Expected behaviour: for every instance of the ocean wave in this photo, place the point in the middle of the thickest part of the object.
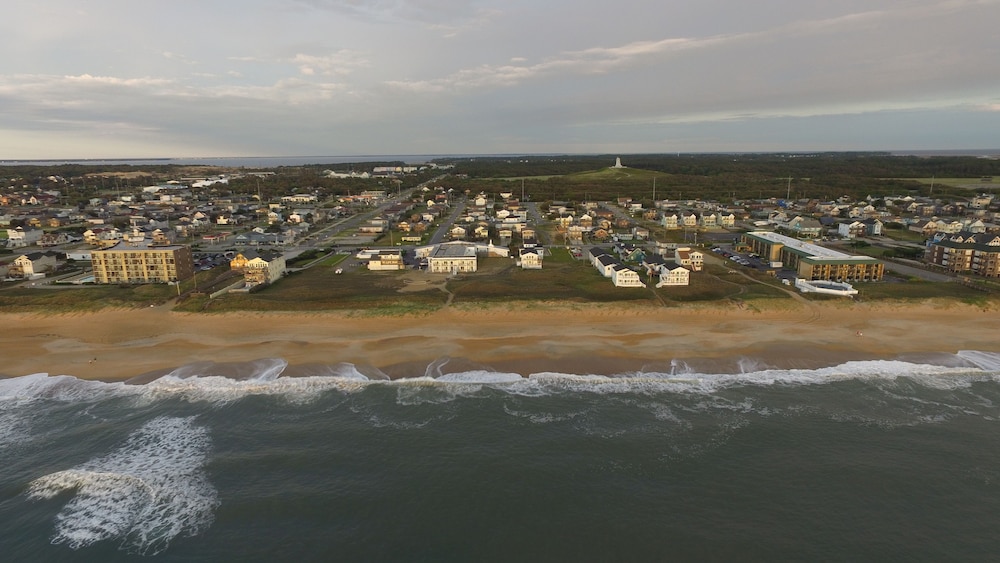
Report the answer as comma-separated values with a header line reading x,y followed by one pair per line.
x,y
217,384
144,494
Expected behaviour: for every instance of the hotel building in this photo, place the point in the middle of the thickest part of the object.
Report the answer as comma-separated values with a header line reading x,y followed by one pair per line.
x,y
142,262
813,262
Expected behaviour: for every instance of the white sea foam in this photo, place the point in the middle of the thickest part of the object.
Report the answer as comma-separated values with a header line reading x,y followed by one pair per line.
x,y
217,384
144,494
16,390
480,376
986,361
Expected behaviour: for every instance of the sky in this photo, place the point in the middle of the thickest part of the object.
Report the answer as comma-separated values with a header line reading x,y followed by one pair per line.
x,y
214,78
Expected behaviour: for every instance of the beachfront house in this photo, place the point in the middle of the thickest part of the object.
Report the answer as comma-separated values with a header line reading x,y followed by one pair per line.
x,y
623,276
31,266
265,267
530,258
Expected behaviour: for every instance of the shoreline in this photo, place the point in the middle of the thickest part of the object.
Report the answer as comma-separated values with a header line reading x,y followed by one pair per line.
x,y
118,345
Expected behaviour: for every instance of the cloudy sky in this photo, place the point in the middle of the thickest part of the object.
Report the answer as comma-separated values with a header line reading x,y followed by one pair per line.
x,y
187,78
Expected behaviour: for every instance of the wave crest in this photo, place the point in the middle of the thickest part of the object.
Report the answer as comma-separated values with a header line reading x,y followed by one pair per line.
x,y
147,492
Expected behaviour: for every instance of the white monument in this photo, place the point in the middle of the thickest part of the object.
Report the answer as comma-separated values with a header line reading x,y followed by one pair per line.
x,y
618,163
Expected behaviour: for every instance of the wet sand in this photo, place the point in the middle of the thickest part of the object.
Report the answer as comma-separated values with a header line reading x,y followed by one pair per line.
x,y
597,339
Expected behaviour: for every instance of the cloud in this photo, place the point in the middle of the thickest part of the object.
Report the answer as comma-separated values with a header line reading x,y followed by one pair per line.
x,y
340,63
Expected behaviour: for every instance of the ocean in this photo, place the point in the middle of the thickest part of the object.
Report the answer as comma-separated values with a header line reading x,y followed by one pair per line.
x,y
248,161
861,461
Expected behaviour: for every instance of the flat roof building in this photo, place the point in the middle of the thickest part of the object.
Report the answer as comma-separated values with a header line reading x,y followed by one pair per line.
x,y
451,259
811,261
142,262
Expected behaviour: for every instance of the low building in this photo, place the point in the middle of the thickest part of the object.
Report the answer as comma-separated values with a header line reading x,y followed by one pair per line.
x,y
452,259
387,260
142,262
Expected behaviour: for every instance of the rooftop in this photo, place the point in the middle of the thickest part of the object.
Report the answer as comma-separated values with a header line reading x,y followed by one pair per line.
x,y
806,249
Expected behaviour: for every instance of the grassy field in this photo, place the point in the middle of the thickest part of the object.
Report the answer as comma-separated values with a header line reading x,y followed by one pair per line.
x,y
903,235
320,288
915,290
954,182
561,279
83,299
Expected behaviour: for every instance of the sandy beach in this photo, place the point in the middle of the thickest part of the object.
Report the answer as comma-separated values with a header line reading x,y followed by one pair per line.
x,y
122,344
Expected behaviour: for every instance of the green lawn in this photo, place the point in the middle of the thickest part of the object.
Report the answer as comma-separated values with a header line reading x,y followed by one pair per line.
x,y
573,281
320,288
914,290
83,299
955,182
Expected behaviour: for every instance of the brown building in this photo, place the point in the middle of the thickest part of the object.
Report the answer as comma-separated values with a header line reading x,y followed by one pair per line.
x,y
976,253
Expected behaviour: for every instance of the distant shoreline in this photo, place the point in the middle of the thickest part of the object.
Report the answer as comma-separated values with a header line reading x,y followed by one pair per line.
x,y
278,161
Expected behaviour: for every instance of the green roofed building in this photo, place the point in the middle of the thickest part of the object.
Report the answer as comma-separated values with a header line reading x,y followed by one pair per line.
x,y
813,262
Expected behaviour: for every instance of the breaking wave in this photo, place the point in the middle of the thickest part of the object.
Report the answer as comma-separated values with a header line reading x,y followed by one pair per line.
x,y
222,384
144,494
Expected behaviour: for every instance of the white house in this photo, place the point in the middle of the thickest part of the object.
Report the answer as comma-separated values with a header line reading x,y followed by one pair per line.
x,y
530,259
673,275
21,237
622,276
693,259
30,266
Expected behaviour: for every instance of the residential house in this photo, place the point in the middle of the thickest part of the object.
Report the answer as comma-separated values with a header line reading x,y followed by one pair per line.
x,y
803,227
263,268
530,258
54,239
692,259
623,276
851,229
673,274
30,266
20,237
602,261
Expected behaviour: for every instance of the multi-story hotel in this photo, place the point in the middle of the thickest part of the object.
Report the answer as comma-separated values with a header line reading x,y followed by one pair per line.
x,y
813,262
142,262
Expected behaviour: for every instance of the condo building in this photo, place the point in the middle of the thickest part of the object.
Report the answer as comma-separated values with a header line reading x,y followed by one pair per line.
x,y
142,262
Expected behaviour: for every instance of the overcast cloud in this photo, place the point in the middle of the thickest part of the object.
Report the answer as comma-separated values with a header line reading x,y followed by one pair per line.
x,y
116,79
